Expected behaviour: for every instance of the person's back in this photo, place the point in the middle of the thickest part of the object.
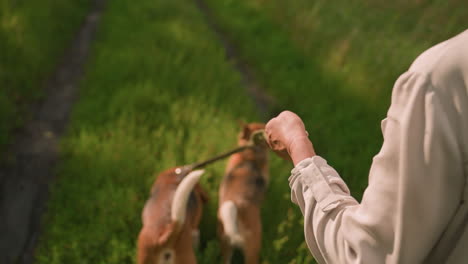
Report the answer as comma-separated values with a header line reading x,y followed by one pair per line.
x,y
446,67
414,209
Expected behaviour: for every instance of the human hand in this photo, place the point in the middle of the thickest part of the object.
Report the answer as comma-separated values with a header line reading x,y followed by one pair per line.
x,y
286,135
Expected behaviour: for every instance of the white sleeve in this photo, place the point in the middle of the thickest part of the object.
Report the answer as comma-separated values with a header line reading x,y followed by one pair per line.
x,y
415,184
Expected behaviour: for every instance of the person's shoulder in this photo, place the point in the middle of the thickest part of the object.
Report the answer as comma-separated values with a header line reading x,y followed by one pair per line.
x,y
444,62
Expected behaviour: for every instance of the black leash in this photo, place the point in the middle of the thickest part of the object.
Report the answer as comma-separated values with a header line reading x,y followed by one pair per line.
x,y
256,139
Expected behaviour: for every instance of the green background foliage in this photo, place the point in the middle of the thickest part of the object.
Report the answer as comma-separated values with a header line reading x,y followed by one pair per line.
x,y
33,35
159,92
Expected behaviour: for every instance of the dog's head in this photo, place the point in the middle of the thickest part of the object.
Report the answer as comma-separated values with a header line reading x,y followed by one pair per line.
x,y
172,177
260,152
247,129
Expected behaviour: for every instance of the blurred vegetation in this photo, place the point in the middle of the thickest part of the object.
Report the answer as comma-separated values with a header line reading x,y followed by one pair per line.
x,y
159,92
33,35
334,63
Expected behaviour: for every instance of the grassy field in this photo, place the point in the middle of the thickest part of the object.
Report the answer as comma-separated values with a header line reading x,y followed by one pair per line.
x,y
159,92
334,63
33,34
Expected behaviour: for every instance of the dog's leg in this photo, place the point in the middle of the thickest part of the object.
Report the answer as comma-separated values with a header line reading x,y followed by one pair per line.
x,y
195,238
226,247
251,257
228,216
252,249
146,247
226,251
254,239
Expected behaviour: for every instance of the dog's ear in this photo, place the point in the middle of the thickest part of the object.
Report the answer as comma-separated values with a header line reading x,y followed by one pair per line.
x,y
245,132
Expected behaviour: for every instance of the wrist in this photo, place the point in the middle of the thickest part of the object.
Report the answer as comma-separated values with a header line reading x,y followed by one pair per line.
x,y
300,149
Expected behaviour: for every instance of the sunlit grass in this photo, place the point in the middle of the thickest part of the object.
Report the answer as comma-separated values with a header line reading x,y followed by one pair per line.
x,y
366,43
334,63
159,93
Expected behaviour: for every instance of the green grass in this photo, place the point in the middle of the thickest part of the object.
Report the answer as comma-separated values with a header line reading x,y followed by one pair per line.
x,y
159,93
366,43
33,35
334,63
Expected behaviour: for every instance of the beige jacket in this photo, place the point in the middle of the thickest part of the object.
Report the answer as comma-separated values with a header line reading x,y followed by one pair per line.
x,y
412,210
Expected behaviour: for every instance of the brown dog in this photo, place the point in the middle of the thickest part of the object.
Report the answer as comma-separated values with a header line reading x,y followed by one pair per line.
x,y
170,219
240,195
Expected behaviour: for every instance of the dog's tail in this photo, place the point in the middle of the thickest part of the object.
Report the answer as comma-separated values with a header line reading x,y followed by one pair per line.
x,y
181,196
228,216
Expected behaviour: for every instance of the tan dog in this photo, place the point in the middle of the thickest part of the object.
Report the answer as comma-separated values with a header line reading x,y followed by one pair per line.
x,y
241,193
170,219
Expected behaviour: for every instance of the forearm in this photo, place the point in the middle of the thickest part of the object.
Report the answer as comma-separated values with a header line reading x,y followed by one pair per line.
x,y
300,149
323,197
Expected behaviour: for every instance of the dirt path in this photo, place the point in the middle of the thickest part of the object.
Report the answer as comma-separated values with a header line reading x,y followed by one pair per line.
x,y
32,157
265,103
